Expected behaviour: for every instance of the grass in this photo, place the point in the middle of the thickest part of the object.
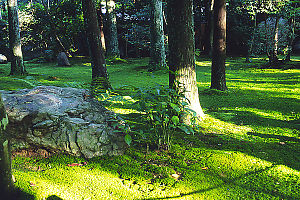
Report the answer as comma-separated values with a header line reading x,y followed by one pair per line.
x,y
248,147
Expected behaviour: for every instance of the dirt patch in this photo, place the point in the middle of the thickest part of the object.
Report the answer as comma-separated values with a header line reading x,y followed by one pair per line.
x,y
32,153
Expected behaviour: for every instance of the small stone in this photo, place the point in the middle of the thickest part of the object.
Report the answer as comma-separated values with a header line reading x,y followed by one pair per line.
x,y
3,59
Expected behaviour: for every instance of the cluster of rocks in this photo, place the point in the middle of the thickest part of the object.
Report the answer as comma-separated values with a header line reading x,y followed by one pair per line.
x,y
61,119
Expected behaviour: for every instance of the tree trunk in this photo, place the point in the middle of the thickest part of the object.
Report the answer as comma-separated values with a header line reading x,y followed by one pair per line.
x,y
267,37
100,20
290,38
208,41
274,53
6,183
218,80
99,71
250,46
157,49
182,51
112,44
17,64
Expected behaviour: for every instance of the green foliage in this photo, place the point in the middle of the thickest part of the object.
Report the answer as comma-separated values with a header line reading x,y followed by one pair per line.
x,y
163,108
40,25
133,27
4,37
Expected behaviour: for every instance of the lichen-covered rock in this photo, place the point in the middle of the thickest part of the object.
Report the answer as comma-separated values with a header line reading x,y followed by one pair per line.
x,y
61,119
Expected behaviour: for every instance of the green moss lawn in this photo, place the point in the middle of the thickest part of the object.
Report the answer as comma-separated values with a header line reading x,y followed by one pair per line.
x,y
248,147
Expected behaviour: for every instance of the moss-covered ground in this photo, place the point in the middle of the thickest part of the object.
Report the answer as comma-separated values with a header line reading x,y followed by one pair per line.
x,y
248,147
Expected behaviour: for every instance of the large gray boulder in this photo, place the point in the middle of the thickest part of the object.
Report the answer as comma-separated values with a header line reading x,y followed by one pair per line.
x,y
61,119
62,59
3,59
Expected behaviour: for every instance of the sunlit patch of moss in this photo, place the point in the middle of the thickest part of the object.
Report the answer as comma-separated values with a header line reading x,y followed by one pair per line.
x,y
7,83
87,64
246,148
203,63
215,125
277,180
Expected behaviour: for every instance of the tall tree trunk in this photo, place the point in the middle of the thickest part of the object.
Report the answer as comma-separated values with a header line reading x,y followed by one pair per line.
x,y
266,36
208,41
274,53
112,44
6,183
290,38
218,80
17,64
157,49
250,46
100,21
182,51
99,71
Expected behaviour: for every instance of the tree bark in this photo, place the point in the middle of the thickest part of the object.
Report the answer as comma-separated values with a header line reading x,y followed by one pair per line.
x,y
182,51
157,49
99,71
112,44
17,64
218,80
266,36
290,38
250,46
208,41
100,21
274,54
6,183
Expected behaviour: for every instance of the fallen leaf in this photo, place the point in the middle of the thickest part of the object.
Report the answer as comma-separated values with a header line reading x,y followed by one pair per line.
x,y
176,176
32,184
76,164
204,168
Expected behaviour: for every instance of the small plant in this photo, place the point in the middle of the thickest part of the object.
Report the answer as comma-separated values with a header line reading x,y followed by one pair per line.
x,y
108,98
163,108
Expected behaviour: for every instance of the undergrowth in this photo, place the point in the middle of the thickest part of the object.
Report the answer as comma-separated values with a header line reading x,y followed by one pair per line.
x,y
246,148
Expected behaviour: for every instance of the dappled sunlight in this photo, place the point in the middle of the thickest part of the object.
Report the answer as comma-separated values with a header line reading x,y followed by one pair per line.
x,y
76,184
213,124
87,64
203,63
247,146
203,172
263,113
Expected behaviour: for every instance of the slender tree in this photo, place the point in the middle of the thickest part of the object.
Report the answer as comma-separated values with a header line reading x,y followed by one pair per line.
x,y
17,64
99,71
100,20
218,80
208,40
291,37
112,44
157,49
182,51
6,183
273,58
